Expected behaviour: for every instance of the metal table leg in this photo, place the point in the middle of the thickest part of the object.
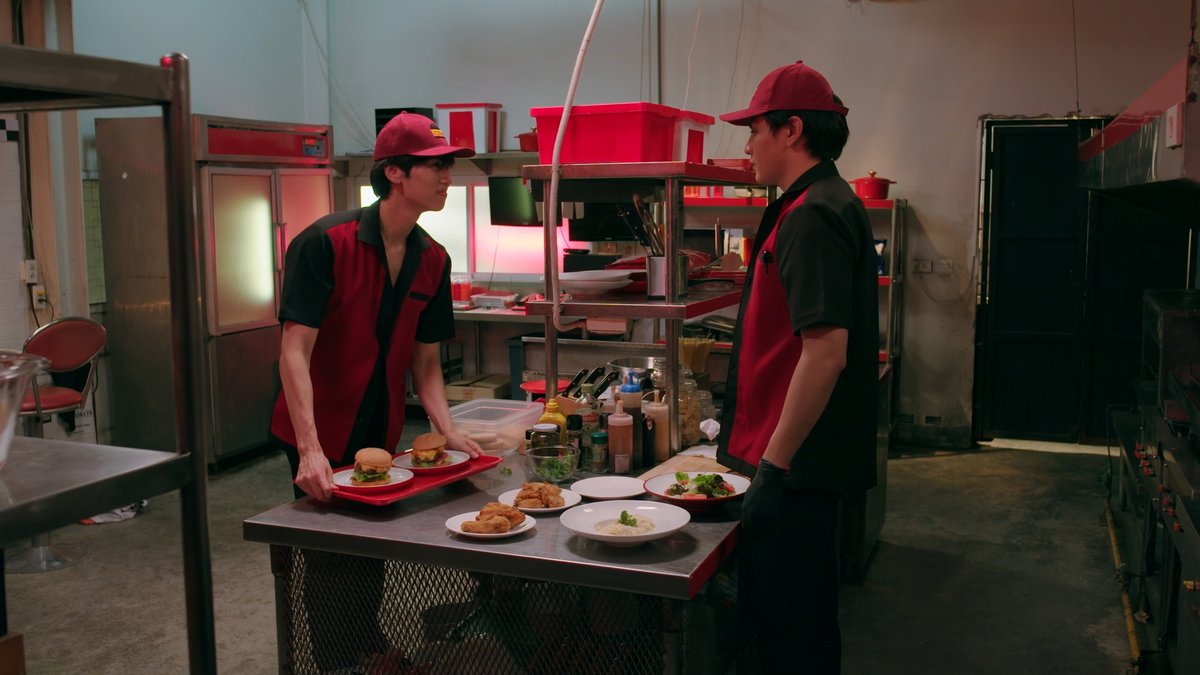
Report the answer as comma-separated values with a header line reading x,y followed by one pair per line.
x,y
3,599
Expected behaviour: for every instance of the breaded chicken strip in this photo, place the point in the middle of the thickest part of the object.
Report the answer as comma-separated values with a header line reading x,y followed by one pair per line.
x,y
514,516
490,525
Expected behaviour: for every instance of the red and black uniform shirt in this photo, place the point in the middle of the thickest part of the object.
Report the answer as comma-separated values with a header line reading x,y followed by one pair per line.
x,y
336,280
814,265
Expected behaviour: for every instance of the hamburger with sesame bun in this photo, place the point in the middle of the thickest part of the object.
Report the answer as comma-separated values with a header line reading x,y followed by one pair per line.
x,y
371,467
429,450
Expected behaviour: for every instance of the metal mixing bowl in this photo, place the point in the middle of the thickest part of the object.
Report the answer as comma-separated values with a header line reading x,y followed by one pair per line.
x,y
16,371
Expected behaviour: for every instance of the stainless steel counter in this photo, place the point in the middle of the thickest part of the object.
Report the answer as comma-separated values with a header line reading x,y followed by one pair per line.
x,y
48,484
414,530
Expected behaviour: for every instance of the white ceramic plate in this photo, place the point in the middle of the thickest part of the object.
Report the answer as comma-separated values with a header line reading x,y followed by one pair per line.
x,y
585,518
454,524
609,487
593,288
404,461
569,499
595,275
341,478
658,485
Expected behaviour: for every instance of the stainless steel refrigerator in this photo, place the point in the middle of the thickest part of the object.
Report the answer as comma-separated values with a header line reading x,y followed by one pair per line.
x,y
258,184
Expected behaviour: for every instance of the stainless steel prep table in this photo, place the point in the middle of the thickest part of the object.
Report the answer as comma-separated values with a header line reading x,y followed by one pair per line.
x,y
49,484
674,569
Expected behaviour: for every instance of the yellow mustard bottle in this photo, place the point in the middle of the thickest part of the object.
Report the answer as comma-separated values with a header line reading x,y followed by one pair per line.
x,y
552,415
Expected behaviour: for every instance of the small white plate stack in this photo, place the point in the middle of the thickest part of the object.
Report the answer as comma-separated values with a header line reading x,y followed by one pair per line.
x,y
593,283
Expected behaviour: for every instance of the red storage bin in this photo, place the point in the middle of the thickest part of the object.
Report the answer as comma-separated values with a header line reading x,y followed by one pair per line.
x,y
622,132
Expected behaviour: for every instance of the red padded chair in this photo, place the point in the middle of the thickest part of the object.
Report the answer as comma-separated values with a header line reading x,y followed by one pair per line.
x,y
68,344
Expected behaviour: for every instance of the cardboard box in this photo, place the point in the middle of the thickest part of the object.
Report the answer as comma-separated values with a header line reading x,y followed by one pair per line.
x,y
486,386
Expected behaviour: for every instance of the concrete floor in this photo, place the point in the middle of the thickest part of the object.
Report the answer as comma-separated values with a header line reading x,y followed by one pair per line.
x,y
991,561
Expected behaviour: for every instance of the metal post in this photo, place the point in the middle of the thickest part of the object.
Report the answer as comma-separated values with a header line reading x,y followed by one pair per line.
x,y
671,239
183,247
3,599
550,248
281,569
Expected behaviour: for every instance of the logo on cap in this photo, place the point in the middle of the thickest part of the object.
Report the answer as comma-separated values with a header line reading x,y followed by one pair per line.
x,y
436,132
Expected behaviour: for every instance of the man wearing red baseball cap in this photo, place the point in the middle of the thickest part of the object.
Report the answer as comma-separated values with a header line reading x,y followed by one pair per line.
x,y
801,394
366,301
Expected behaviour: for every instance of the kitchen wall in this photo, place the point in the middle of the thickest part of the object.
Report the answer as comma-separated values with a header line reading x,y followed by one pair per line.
x,y
248,59
13,301
917,76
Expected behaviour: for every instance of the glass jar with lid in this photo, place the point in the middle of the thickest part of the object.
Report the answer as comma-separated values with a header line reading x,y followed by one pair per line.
x,y
689,412
659,375
545,434
708,409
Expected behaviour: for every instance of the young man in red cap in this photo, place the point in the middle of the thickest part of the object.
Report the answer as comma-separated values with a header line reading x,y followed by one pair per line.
x,y
801,395
366,300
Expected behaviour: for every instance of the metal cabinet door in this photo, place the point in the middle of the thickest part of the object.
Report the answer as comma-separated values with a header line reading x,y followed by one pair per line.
x,y
304,196
241,247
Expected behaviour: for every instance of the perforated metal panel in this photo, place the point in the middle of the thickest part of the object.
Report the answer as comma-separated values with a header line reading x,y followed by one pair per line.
x,y
345,614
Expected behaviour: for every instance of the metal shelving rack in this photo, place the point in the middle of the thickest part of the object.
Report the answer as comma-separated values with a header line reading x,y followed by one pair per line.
x,y
34,80
891,281
667,180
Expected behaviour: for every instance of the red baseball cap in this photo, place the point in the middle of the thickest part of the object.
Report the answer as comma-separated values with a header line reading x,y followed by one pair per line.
x,y
417,135
794,87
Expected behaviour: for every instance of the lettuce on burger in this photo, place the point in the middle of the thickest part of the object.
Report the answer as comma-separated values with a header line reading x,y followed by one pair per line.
x,y
371,467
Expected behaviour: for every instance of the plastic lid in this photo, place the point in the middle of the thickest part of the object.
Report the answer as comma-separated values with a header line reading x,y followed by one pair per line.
x,y
632,386
546,426
600,437
620,418
574,422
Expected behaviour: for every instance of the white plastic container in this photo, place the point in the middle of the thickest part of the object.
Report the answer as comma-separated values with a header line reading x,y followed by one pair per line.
x,y
498,425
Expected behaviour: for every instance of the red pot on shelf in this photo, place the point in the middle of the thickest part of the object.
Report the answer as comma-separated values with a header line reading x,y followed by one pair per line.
x,y
871,187
528,141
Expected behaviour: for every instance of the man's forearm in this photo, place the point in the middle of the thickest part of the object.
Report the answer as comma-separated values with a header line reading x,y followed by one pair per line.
x,y
808,393
297,388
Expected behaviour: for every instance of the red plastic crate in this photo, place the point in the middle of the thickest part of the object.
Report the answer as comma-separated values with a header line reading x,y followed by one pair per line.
x,y
621,132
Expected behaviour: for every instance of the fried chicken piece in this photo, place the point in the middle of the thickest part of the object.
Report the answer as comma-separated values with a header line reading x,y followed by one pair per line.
x,y
490,525
490,509
539,496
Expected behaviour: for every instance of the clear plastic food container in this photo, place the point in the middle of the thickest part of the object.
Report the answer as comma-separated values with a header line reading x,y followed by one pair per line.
x,y
497,425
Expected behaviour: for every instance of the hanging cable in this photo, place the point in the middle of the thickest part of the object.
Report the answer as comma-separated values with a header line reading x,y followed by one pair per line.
x,y
732,88
362,134
552,217
687,89
1075,45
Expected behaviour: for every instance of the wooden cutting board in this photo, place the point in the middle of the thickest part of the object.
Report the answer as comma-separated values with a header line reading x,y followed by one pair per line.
x,y
684,463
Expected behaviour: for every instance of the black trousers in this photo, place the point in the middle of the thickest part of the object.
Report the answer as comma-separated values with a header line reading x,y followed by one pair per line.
x,y
342,598
788,588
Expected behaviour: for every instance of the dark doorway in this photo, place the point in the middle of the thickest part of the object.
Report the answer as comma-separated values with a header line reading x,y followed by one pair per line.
x,y
1061,278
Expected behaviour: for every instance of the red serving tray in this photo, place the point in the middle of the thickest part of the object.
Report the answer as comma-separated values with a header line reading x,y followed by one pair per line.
x,y
419,483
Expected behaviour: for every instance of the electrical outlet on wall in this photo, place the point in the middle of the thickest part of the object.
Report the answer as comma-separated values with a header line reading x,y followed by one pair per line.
x,y
29,271
921,266
39,296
